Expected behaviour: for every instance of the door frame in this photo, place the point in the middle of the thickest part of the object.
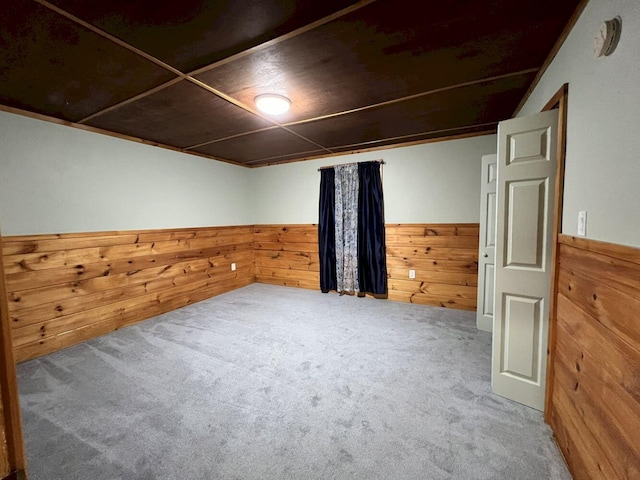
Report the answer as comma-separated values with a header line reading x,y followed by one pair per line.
x,y
9,385
559,101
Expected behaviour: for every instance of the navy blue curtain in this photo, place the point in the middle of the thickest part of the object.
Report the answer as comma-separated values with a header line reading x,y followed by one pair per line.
x,y
327,231
372,264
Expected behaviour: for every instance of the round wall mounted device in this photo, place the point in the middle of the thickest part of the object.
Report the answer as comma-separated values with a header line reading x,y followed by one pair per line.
x,y
606,40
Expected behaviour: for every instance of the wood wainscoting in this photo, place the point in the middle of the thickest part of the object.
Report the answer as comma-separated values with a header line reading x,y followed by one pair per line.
x,y
444,256
64,289
445,259
595,391
287,255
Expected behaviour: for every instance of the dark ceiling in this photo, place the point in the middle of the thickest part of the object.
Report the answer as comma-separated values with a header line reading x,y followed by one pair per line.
x,y
362,74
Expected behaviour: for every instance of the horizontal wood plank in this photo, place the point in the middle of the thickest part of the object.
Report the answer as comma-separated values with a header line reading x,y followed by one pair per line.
x,y
447,290
288,247
432,241
612,250
297,228
289,282
435,253
447,278
290,236
433,229
431,265
434,300
287,273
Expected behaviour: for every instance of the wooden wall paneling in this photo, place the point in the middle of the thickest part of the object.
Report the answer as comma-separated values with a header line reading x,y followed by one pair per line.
x,y
445,258
443,255
582,382
595,401
91,280
64,289
67,288
287,255
12,454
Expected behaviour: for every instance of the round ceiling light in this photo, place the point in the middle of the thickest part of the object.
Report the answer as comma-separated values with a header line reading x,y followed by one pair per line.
x,y
272,104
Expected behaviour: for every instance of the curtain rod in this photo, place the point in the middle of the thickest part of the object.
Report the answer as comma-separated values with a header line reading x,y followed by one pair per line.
x,y
381,162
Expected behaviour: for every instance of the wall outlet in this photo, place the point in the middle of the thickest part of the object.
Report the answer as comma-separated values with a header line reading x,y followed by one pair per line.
x,y
233,267
412,274
582,223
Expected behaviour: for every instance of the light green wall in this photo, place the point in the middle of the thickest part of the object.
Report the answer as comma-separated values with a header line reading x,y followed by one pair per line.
x,y
56,179
430,183
603,127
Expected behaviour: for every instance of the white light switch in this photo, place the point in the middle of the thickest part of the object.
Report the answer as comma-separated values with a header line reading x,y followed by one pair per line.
x,y
233,267
412,274
582,223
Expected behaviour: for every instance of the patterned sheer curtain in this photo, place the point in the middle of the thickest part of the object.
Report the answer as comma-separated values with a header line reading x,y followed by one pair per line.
x,y
351,230
346,208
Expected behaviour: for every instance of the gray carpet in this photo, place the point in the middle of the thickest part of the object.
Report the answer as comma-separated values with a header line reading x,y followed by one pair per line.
x,y
277,383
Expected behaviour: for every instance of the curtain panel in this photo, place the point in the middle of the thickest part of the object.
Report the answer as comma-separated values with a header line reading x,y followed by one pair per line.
x,y
372,252
351,230
346,213
327,231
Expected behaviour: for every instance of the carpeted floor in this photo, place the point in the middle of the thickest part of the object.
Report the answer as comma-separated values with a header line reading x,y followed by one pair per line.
x,y
279,383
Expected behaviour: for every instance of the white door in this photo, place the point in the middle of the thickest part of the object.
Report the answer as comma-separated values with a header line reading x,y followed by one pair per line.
x,y
527,158
486,253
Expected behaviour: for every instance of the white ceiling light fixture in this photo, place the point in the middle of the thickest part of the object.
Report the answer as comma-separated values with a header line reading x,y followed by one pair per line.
x,y
273,104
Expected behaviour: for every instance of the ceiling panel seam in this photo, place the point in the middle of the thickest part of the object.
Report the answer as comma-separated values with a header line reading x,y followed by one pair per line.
x,y
282,38
212,66
428,132
237,103
132,99
110,37
456,136
376,105
230,137
173,70
414,96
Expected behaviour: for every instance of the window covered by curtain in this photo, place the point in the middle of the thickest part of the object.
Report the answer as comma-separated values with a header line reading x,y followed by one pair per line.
x,y
351,230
